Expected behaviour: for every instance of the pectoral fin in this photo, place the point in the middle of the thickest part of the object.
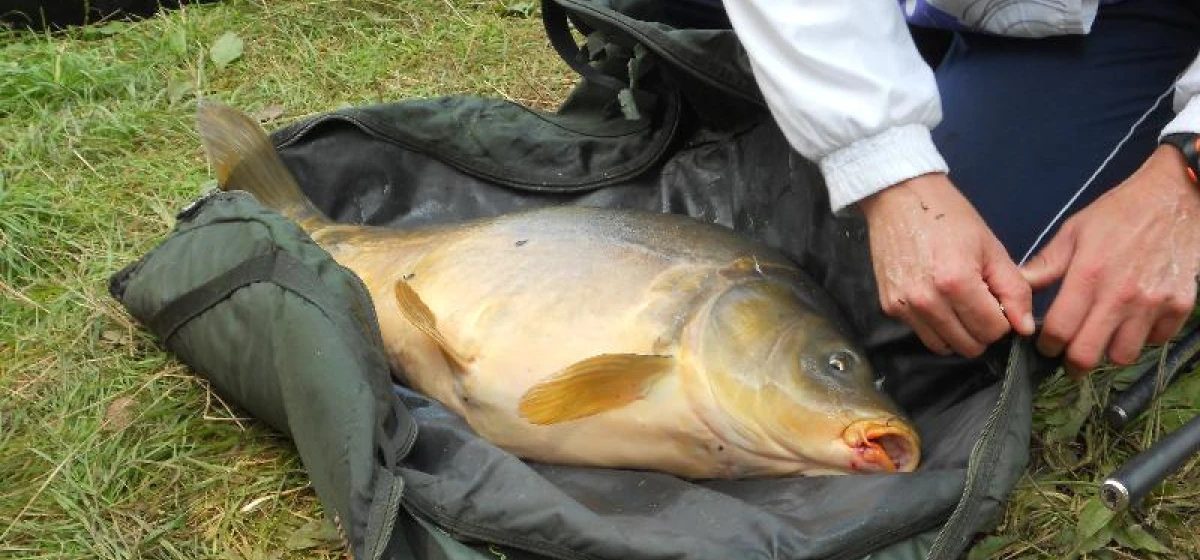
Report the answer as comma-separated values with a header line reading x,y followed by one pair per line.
x,y
593,386
417,313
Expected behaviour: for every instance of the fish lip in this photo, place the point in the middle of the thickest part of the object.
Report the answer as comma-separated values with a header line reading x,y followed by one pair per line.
x,y
882,445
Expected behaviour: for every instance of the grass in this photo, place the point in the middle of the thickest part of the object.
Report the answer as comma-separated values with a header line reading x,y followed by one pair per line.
x,y
1055,511
110,448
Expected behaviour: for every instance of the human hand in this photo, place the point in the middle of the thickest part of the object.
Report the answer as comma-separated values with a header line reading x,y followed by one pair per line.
x,y
941,270
1128,264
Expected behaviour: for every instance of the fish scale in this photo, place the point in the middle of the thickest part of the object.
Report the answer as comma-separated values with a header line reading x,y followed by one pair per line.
x,y
604,337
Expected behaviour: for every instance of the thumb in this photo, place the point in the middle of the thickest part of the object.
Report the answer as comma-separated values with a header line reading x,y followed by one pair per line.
x,y
1049,264
1010,289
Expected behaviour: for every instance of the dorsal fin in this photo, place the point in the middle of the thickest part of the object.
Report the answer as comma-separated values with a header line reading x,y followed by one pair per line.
x,y
417,313
593,386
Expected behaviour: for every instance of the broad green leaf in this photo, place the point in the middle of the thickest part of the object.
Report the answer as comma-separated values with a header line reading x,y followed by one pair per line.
x,y
1056,417
1093,518
1125,376
226,49
1137,537
312,534
517,9
106,30
1096,541
988,547
1173,419
1188,387
1065,537
1079,412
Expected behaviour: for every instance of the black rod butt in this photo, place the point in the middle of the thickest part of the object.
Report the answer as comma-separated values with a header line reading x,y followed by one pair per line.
x,y
1134,480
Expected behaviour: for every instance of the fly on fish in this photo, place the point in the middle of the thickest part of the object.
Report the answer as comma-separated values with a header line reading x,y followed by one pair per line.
x,y
603,337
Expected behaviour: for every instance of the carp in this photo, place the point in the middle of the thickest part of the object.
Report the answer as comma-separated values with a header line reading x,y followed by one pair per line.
x,y
603,337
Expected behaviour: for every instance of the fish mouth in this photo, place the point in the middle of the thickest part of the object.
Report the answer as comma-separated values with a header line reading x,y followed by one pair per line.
x,y
887,445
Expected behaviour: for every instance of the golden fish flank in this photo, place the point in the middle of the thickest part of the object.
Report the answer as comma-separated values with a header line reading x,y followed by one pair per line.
x,y
603,337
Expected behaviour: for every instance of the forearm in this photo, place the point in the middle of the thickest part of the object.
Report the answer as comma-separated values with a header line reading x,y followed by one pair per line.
x,y
847,87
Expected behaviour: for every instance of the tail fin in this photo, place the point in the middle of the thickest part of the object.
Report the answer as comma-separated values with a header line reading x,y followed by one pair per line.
x,y
245,159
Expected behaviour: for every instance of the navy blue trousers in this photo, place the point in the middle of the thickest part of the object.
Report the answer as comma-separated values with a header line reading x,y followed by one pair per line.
x,y
1034,130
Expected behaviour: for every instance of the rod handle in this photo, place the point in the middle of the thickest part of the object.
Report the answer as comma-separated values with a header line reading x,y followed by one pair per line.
x,y
1134,400
1138,476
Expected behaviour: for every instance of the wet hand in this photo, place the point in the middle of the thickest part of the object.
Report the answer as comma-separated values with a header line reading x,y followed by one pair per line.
x,y
941,270
1128,265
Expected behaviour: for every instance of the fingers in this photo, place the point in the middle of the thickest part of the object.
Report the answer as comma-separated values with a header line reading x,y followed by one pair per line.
x,y
1067,312
955,309
1165,328
978,310
1151,316
1066,315
1051,263
932,320
1092,320
937,313
1012,290
1087,348
1129,339
955,315
929,337
1176,310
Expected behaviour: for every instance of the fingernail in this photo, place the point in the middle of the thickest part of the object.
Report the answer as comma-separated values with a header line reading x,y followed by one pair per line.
x,y
1027,324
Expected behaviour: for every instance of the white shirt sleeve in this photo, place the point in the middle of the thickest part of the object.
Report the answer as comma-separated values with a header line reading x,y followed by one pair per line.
x,y
1186,102
847,86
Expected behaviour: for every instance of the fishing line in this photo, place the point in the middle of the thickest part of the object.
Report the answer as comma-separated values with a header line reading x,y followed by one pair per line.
x,y
1095,174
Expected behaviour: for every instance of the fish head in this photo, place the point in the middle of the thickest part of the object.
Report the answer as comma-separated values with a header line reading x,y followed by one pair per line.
x,y
792,388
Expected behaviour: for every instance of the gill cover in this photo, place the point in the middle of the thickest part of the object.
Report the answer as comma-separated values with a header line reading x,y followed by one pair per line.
x,y
784,372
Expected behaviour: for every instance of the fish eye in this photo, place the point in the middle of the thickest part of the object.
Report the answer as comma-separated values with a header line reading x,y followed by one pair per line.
x,y
841,361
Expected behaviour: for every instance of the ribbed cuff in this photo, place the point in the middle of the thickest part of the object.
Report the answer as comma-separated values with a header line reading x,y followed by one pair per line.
x,y
1187,120
873,164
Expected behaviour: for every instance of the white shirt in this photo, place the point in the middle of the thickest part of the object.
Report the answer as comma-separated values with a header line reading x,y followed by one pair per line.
x,y
849,90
